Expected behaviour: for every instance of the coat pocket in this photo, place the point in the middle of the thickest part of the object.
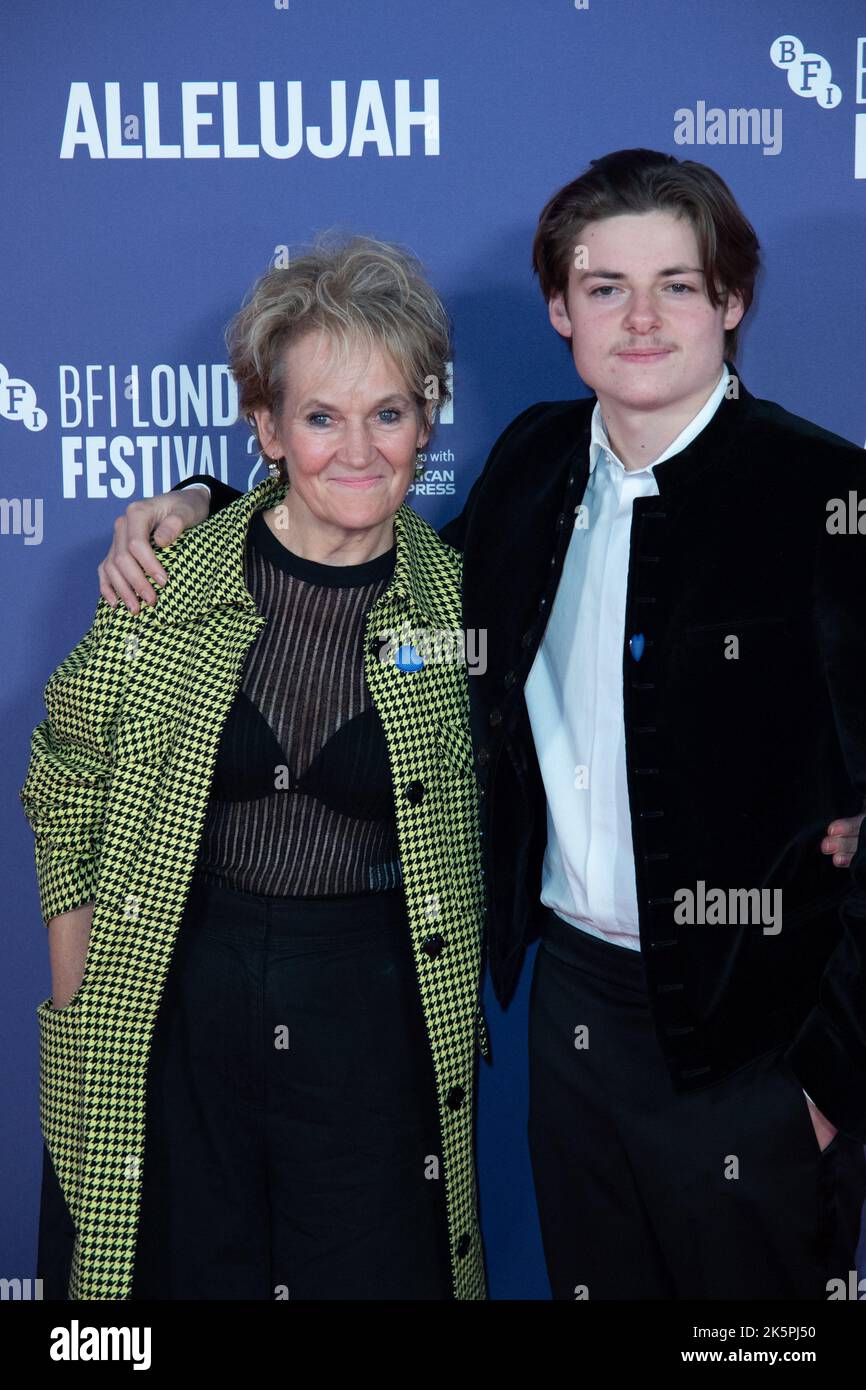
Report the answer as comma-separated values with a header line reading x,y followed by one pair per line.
x,y
748,661
454,747
61,1110
144,739
755,631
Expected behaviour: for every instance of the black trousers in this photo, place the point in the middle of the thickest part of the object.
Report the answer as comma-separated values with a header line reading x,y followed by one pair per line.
x,y
291,1112
644,1193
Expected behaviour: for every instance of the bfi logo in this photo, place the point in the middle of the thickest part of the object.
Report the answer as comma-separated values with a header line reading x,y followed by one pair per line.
x,y
810,76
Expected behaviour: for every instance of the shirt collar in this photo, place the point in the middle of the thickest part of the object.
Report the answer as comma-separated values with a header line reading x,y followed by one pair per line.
x,y
599,444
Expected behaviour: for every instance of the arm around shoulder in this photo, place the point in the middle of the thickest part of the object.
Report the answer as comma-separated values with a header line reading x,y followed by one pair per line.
x,y
454,532
221,494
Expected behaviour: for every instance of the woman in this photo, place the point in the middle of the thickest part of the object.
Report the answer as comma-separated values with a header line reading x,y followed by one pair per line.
x,y
258,855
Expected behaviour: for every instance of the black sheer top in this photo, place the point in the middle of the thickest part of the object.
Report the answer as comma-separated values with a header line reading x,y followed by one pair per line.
x,y
301,801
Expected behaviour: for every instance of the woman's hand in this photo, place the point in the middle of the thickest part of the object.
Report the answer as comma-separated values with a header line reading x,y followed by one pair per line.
x,y
68,940
123,573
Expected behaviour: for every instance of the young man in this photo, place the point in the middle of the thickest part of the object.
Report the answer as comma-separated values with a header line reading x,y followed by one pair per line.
x,y
674,705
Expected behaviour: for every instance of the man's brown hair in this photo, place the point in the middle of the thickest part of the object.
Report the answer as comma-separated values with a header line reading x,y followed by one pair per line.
x,y
635,181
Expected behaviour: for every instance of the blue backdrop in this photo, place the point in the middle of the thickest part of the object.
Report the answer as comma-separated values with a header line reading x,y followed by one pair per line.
x,y
157,157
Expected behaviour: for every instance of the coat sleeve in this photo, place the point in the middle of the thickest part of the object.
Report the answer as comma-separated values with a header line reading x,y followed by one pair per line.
x,y
829,1053
221,494
66,786
453,533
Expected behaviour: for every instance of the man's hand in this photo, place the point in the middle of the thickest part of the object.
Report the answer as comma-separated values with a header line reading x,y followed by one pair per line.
x,y
123,573
824,1131
841,839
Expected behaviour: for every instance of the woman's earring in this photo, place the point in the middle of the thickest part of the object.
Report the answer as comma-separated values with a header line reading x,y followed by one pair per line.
x,y
273,465
419,466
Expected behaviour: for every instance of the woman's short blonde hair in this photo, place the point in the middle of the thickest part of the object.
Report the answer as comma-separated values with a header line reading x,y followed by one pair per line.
x,y
358,291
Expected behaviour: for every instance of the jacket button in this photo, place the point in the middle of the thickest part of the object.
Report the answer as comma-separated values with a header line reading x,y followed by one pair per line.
x,y
455,1097
374,646
561,519
508,679
526,639
463,1245
415,792
433,946
542,604
482,757
495,717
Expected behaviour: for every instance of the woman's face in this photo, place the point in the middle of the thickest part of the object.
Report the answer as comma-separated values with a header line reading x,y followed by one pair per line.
x,y
348,433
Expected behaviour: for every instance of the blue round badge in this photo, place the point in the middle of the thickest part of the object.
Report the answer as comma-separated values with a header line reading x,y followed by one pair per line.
x,y
407,659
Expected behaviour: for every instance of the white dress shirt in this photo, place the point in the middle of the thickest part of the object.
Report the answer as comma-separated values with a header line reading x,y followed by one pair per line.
x,y
575,699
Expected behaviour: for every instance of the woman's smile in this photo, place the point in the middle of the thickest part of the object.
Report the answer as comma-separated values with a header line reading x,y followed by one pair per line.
x,y
357,482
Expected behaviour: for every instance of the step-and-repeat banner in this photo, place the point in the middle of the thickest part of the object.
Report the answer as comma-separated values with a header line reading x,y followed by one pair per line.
x,y
157,158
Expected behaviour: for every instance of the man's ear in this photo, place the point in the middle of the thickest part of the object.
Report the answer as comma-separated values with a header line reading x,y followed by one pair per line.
x,y
734,309
558,314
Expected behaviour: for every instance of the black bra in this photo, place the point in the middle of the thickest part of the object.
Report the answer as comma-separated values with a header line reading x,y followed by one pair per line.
x,y
351,773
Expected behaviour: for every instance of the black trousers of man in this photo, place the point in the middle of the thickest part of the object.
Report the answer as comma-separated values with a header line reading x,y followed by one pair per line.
x,y
644,1193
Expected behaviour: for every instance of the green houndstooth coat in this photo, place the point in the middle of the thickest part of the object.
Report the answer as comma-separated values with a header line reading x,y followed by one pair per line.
x,y
116,792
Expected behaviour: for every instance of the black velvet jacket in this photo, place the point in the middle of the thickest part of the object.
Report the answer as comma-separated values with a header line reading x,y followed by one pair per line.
x,y
735,765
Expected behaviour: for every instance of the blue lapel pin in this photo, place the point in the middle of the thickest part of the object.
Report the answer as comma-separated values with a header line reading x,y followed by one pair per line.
x,y
407,659
636,645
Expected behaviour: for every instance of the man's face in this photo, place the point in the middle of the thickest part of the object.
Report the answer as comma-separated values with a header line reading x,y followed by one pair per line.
x,y
643,332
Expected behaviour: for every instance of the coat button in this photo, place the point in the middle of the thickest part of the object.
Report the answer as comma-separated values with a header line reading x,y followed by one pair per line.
x,y
455,1097
415,792
561,519
495,717
463,1245
482,757
526,639
433,946
542,604
374,646
508,679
